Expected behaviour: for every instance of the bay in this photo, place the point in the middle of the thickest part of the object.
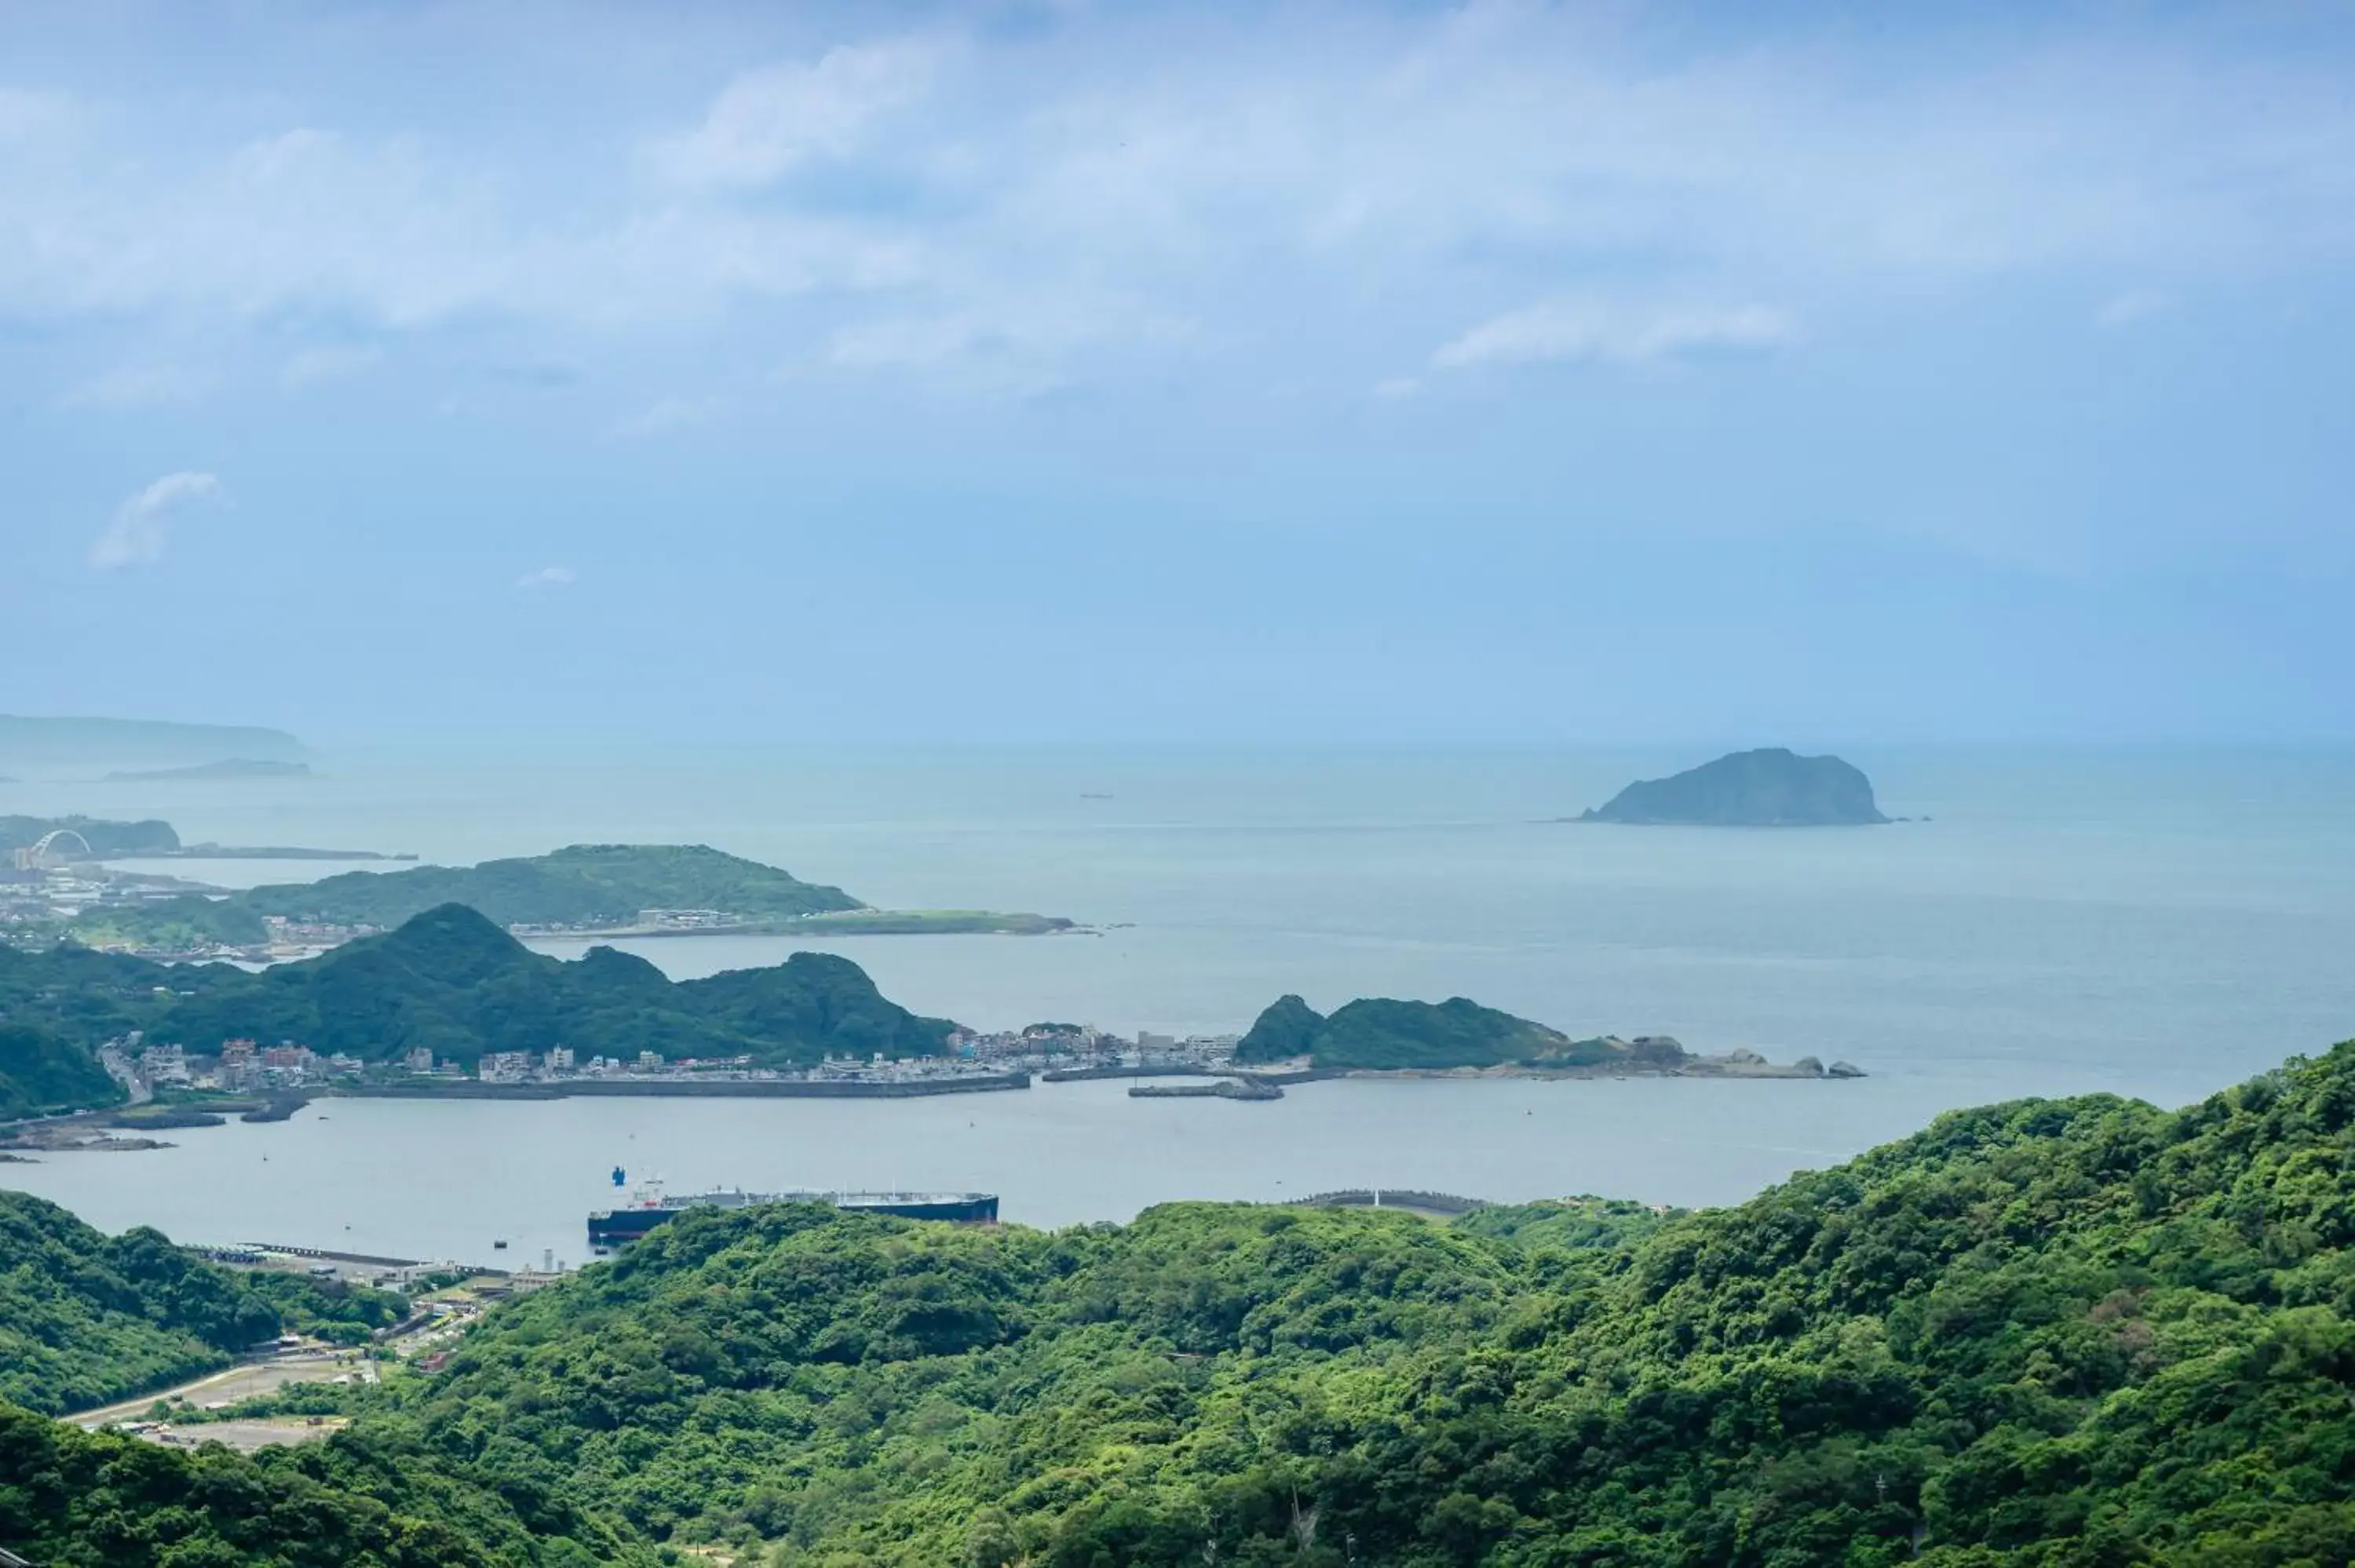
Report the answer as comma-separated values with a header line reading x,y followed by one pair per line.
x,y
2152,922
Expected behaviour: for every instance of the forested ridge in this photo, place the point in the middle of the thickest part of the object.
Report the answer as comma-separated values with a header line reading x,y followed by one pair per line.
x,y
450,981
87,1319
2049,1332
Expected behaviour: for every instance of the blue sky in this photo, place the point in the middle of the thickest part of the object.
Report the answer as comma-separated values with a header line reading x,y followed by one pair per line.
x,y
1070,371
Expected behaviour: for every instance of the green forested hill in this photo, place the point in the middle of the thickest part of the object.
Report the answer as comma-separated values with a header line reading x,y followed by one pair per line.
x,y
584,884
87,1319
450,980
2055,1333
1379,1033
2063,1332
75,1499
40,1073
455,983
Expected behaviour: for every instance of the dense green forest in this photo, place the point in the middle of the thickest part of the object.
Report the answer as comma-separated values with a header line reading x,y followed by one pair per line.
x,y
40,1073
455,983
87,1319
584,884
2051,1333
75,1499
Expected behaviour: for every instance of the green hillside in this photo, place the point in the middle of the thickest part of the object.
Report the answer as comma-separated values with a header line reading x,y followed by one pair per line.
x,y
455,983
87,1319
585,885
1377,1034
40,1073
75,1499
2049,1333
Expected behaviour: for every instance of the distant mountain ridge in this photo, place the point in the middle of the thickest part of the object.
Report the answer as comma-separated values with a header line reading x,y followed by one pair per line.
x,y
137,743
1772,787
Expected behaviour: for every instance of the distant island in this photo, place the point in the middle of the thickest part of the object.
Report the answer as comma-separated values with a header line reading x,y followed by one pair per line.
x,y
234,768
1377,1034
135,743
1769,788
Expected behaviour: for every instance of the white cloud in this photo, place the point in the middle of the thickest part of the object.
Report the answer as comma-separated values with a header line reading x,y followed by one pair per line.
x,y
138,387
547,577
1589,330
334,362
141,527
2136,305
768,122
930,202
660,419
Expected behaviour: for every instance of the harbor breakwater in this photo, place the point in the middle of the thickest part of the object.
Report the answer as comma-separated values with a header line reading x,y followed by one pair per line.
x,y
678,1088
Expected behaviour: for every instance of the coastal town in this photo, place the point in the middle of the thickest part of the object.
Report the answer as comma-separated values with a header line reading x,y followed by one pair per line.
x,y
974,1059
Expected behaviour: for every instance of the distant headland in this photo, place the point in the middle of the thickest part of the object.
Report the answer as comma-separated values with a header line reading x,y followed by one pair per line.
x,y
135,743
1378,1034
1770,787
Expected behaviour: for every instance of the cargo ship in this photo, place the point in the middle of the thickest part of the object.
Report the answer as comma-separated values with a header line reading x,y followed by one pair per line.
x,y
611,1228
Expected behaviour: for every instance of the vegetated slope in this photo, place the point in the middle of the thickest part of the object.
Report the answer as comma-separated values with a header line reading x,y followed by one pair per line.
x,y
2083,1331
40,1073
450,981
105,839
1374,1034
1770,787
75,1499
584,884
190,922
455,983
87,1319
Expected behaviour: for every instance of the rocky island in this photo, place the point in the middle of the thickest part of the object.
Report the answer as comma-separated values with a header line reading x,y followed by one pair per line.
x,y
1378,1034
1769,788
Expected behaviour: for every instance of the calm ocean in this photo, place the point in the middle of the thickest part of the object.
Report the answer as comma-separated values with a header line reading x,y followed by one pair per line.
x,y
2157,922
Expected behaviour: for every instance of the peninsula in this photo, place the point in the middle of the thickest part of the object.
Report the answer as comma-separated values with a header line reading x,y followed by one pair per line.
x,y
1769,788
1378,1034
593,892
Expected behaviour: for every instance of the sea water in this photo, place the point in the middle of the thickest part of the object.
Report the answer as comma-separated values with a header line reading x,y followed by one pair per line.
x,y
2157,922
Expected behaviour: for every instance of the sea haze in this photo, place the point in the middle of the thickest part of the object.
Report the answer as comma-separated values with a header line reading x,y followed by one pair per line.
x,y
2154,923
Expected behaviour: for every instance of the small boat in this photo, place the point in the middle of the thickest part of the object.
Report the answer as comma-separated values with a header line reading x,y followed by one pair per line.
x,y
500,1245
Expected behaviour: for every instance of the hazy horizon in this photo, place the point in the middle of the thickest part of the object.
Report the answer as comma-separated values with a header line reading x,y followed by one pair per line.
x,y
1041,373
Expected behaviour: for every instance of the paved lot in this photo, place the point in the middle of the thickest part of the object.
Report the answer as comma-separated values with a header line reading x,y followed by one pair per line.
x,y
245,1437
227,1387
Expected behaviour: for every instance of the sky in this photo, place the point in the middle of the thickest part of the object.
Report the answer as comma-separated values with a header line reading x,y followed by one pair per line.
x,y
1501,372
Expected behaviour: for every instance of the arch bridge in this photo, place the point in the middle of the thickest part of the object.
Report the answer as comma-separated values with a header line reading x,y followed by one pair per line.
x,y
45,852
